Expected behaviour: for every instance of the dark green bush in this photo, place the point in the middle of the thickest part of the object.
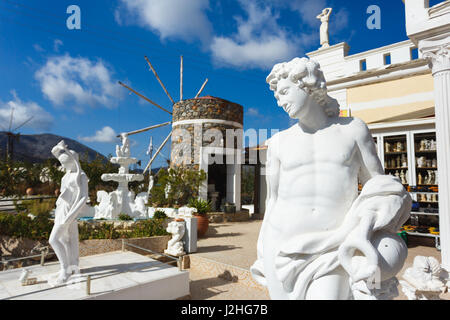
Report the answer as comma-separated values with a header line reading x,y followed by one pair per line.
x,y
89,231
39,228
147,228
124,217
159,215
22,226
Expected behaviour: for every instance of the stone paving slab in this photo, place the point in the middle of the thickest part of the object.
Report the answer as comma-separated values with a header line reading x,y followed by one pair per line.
x,y
114,275
234,245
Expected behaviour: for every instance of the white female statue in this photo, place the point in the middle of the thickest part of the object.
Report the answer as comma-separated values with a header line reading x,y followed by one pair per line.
x,y
71,202
319,238
324,17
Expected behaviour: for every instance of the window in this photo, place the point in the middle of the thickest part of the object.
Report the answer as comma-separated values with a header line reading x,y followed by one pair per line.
x,y
362,65
387,59
414,53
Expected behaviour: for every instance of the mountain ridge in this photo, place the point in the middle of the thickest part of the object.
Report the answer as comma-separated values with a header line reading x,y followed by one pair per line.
x,y
37,148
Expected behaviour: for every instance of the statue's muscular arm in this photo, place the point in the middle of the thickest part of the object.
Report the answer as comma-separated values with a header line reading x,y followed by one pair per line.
x,y
370,167
272,180
370,163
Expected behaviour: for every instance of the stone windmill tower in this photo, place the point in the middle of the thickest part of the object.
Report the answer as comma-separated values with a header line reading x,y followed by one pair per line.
x,y
206,135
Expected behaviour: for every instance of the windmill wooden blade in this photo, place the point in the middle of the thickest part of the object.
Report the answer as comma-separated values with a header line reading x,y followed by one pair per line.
x,y
144,97
201,89
181,78
146,129
159,80
157,151
11,119
24,123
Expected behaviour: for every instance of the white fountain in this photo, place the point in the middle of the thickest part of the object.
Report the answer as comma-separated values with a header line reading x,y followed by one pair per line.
x,y
122,200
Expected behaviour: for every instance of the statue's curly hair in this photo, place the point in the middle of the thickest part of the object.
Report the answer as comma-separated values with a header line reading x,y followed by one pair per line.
x,y
308,76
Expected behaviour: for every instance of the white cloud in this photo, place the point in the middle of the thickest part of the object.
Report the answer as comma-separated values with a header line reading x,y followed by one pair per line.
x,y
22,112
181,19
309,10
259,42
339,21
38,48
105,135
253,112
79,80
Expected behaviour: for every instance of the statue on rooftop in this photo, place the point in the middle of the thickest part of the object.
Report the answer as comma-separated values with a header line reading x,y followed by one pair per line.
x,y
320,239
70,203
324,17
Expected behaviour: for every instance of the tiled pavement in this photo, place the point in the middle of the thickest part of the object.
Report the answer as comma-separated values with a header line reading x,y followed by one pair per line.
x,y
219,269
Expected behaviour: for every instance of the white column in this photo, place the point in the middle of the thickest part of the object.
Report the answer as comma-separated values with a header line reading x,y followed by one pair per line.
x,y
203,190
230,182
436,50
237,184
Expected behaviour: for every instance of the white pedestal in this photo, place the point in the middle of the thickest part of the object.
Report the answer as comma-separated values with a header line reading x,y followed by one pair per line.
x,y
190,236
114,275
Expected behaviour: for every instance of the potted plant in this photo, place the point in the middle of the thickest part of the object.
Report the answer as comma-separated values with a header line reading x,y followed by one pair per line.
x,y
203,207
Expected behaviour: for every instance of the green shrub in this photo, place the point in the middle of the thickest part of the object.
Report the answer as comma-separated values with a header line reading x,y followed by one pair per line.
x,y
22,226
36,207
39,228
147,228
89,231
159,215
202,206
184,184
124,217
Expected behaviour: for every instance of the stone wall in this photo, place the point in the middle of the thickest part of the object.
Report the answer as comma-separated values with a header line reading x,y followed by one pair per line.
x,y
196,140
207,108
92,247
219,217
11,247
202,108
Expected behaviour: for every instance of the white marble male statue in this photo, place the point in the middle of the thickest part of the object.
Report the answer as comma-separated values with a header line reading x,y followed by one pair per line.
x,y
319,239
70,203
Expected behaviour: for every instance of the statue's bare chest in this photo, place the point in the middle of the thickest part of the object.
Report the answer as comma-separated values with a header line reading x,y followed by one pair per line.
x,y
331,145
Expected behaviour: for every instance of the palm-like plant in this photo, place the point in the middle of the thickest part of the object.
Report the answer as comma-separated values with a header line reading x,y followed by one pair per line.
x,y
202,206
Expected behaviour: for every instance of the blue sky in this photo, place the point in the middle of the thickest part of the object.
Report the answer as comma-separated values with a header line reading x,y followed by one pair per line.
x,y
67,79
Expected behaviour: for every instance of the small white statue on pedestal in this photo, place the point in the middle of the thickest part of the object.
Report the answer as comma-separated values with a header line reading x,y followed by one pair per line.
x,y
70,203
424,279
123,151
175,245
186,212
319,239
324,17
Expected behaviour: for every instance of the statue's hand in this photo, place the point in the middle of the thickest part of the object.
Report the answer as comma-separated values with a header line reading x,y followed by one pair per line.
x,y
363,271
360,267
385,209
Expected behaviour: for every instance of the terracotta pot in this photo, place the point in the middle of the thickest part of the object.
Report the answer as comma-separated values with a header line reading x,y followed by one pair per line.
x,y
202,225
29,192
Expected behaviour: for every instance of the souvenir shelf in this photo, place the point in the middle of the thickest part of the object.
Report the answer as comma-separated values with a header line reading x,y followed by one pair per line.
x,y
396,157
412,158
